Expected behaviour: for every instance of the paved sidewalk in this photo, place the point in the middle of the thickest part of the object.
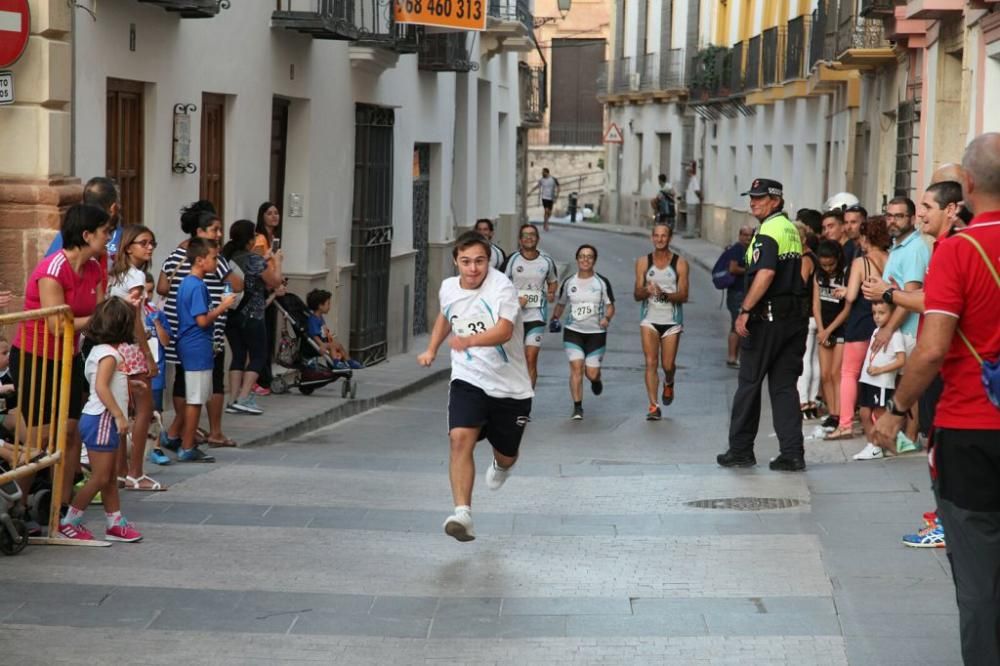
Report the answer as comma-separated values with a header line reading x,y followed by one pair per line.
x,y
292,414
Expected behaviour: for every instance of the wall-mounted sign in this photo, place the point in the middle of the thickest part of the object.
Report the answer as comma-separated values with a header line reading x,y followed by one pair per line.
x,y
182,139
6,88
15,23
462,14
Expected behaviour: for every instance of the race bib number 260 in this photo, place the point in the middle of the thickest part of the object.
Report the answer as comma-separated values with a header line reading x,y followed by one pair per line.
x,y
532,297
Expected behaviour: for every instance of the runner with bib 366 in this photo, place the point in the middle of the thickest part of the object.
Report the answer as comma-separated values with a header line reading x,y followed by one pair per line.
x,y
588,302
490,395
661,286
534,276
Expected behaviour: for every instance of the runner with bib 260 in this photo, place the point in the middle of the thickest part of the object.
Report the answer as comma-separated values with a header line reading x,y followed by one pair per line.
x,y
661,286
489,396
589,304
534,276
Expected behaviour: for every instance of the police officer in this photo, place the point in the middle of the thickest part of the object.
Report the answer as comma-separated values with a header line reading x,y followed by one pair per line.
x,y
773,325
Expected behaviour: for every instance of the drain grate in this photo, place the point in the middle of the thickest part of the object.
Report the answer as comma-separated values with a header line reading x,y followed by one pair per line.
x,y
745,503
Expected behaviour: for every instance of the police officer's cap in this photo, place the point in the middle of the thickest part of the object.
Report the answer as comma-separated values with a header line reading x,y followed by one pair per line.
x,y
763,187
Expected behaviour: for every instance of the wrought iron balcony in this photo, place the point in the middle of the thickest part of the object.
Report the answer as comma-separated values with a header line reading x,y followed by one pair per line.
x,y
772,52
661,71
376,24
711,74
861,33
445,52
796,39
737,79
408,37
752,75
622,75
322,19
877,7
533,83
192,8
512,11
816,36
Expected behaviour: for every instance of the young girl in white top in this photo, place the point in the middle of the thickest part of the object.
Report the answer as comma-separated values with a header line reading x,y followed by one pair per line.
x,y
127,281
878,376
104,424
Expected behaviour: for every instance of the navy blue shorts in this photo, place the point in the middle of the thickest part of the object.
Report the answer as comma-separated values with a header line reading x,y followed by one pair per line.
x,y
99,432
500,421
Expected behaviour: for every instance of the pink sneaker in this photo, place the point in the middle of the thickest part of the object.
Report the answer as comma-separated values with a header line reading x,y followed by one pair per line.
x,y
77,531
261,391
123,531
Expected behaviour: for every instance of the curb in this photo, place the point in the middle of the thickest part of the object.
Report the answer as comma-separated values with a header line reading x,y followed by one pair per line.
x,y
344,410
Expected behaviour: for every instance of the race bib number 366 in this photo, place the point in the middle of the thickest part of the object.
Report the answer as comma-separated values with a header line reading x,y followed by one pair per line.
x,y
463,328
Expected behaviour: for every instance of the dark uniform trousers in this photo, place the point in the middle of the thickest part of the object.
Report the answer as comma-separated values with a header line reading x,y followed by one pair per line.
x,y
773,350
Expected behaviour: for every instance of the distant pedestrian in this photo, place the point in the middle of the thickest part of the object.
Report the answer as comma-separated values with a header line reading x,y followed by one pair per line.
x,y
960,337
773,325
692,202
485,227
736,267
548,192
664,204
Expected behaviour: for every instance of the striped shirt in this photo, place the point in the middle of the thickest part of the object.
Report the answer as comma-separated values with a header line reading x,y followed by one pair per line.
x,y
176,267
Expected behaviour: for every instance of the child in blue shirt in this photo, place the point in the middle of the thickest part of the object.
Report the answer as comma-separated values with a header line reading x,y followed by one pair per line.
x,y
158,330
318,302
195,317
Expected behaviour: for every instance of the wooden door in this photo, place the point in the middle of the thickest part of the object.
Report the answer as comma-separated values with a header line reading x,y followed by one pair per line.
x,y
124,145
213,150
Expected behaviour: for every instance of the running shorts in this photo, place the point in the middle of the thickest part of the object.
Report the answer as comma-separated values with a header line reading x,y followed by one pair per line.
x,y
533,332
501,421
873,396
99,431
663,330
586,347
547,204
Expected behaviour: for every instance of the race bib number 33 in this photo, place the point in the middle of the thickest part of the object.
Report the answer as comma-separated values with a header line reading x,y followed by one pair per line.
x,y
463,14
464,328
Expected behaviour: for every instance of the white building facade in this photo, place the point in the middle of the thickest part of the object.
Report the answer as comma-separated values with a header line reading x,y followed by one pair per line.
x,y
376,140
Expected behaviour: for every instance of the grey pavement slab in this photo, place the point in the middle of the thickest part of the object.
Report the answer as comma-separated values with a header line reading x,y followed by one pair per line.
x,y
326,546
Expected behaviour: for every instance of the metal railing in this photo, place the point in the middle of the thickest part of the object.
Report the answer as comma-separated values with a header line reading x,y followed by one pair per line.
x,y
796,39
710,77
661,71
192,8
861,33
575,134
737,80
816,36
513,11
752,75
375,21
876,7
772,54
445,52
621,75
325,19
533,83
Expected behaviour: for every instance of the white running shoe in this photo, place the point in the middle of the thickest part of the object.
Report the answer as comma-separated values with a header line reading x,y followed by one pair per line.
x,y
459,526
496,476
870,452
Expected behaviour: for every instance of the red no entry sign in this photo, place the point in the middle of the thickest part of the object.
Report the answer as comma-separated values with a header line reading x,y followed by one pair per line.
x,y
15,21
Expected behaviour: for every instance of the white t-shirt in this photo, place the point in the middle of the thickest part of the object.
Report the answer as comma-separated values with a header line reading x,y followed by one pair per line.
x,y
547,188
127,282
497,256
500,371
585,302
531,278
119,382
884,357
694,186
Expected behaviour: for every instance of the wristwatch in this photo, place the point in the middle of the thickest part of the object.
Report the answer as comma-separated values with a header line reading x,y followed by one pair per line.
x,y
887,295
744,311
890,404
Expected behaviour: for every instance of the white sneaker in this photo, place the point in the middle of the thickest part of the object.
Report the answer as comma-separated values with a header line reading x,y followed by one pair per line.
x,y
870,452
459,526
496,476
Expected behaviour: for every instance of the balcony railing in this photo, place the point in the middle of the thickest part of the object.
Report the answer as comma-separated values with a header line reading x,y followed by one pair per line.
x,y
752,77
575,134
709,77
512,11
445,52
376,23
533,93
323,19
737,80
192,8
816,36
772,53
796,38
861,33
622,75
877,7
661,71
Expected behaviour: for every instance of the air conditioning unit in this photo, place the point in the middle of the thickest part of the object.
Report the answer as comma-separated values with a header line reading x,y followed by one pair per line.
x,y
634,80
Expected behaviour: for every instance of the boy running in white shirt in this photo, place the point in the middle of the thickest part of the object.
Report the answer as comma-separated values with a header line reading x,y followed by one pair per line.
x,y
490,393
589,302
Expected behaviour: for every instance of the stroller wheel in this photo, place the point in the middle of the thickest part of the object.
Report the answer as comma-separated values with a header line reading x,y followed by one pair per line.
x,y
10,545
279,385
345,388
354,389
306,390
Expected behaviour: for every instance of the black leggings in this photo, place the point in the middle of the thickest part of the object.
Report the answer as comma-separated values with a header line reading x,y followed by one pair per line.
x,y
248,342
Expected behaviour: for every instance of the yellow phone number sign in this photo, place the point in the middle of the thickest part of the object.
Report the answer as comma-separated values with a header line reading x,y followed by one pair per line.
x,y
463,14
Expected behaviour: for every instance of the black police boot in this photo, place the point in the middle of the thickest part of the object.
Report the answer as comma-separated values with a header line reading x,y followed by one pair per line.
x,y
732,459
784,463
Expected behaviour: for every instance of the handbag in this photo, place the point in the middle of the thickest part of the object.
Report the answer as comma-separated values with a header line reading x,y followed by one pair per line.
x,y
286,348
989,370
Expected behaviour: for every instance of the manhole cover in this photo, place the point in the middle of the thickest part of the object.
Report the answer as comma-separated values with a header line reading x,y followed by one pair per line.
x,y
745,503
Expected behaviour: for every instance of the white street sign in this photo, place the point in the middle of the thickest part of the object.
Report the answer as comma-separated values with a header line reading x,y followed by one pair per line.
x,y
6,88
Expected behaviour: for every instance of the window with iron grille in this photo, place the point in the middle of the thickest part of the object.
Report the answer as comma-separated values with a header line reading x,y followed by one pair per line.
x,y
907,137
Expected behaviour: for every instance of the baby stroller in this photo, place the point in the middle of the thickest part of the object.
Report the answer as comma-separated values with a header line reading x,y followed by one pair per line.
x,y
310,368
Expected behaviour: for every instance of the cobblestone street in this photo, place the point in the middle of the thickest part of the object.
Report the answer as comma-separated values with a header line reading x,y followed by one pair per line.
x,y
328,548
